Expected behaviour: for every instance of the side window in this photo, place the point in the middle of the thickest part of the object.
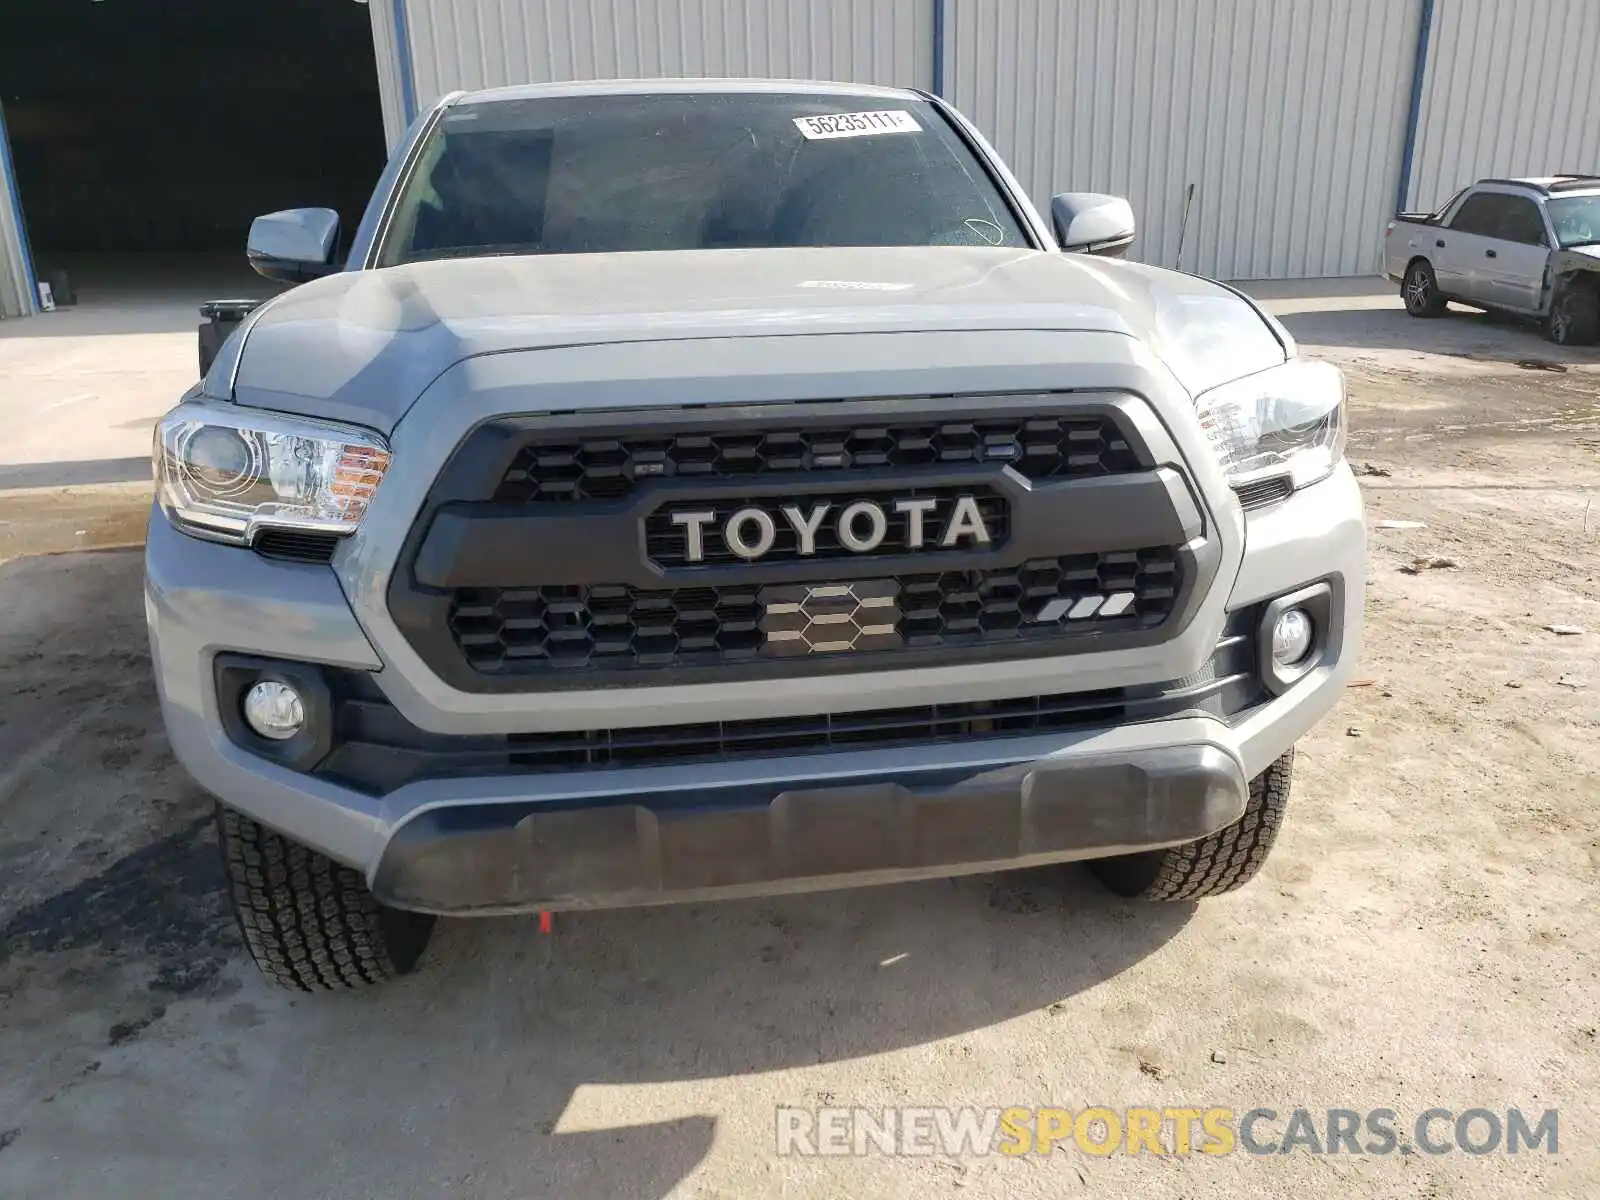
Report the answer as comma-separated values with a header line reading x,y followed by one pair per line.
x,y
1480,213
1521,222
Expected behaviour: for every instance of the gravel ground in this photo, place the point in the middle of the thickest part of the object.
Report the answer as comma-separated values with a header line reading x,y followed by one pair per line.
x,y
1422,936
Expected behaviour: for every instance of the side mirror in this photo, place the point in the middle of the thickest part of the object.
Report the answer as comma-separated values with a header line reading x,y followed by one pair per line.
x,y
1089,223
294,245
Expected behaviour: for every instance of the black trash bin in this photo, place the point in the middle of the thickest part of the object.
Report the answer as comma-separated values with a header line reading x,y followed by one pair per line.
x,y
222,317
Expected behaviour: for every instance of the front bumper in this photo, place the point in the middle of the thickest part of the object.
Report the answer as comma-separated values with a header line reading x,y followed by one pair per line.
x,y
503,852
839,817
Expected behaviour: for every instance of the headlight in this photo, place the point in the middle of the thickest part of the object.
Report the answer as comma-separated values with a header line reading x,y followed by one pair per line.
x,y
1287,420
225,473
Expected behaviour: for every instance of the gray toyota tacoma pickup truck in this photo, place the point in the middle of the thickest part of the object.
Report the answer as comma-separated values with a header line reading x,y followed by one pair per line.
x,y
701,489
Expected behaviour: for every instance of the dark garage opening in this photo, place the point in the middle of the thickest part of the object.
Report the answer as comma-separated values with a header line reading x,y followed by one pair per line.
x,y
147,133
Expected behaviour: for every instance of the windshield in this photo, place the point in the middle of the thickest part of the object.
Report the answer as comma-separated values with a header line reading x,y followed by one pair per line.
x,y
1576,220
591,174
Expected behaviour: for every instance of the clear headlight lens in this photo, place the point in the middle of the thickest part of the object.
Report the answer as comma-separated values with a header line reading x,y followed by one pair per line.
x,y
225,473
1288,420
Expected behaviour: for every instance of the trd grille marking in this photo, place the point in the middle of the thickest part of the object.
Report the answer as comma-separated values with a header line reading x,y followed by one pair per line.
x,y
1084,607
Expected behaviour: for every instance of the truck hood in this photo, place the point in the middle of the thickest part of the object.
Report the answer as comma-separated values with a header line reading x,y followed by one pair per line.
x,y
362,346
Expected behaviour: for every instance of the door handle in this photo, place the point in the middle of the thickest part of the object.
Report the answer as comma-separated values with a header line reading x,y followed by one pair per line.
x,y
1490,254
1440,242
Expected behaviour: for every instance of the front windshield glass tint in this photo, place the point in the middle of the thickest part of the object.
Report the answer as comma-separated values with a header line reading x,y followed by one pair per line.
x,y
693,172
1576,219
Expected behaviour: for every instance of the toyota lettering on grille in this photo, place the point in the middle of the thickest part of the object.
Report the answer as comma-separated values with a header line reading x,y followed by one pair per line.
x,y
860,526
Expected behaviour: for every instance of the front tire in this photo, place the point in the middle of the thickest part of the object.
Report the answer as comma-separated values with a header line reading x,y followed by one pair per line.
x,y
1218,863
310,923
1574,318
1420,290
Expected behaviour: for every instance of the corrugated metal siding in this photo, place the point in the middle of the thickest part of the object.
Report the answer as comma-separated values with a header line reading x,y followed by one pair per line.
x,y
1288,118
13,280
390,90
487,43
1512,88
15,285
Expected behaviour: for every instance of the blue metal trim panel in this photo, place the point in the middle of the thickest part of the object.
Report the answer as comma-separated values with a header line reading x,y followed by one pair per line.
x,y
408,75
8,184
1413,116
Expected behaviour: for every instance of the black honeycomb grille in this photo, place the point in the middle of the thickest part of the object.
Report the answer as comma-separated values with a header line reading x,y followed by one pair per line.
x,y
541,630
608,468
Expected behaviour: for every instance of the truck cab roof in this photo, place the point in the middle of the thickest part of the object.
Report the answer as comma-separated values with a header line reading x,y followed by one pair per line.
x,y
679,87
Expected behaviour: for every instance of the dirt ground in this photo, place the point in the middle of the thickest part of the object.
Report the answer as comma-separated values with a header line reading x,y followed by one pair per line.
x,y
1424,934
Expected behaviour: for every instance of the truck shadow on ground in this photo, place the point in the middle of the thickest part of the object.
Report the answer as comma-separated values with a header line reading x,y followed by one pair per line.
x,y
583,1064
523,1050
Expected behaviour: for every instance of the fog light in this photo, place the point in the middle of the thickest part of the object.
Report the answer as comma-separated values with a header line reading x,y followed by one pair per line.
x,y
274,710
1292,636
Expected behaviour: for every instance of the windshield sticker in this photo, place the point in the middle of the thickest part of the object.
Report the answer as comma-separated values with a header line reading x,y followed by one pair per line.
x,y
862,124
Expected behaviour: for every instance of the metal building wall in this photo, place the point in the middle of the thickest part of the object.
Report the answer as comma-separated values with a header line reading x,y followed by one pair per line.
x,y
1288,117
16,280
393,68
1512,87
486,43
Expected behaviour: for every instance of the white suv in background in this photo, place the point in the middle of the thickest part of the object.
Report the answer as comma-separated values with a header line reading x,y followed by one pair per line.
x,y
1525,246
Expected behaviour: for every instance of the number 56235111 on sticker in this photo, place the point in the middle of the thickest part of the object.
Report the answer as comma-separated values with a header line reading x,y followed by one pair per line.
x,y
862,124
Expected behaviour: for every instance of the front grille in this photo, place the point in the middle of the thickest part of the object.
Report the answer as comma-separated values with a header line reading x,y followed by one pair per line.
x,y
540,630
608,468
718,544
376,750
667,543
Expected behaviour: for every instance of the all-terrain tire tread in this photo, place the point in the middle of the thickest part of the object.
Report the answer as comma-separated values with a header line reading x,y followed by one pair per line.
x,y
310,923
1229,858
